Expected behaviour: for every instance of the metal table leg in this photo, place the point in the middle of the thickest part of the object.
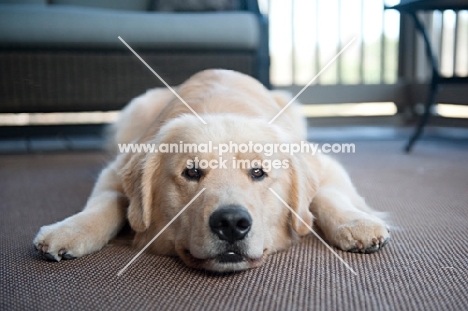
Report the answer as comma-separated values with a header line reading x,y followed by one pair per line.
x,y
434,86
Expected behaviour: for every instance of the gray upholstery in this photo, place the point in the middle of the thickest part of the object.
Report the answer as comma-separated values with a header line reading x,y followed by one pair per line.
x,y
23,2
133,5
67,57
42,26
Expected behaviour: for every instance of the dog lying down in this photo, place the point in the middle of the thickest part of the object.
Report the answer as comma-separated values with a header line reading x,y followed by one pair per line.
x,y
238,219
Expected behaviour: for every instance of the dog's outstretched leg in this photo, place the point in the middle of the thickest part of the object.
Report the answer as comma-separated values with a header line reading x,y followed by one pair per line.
x,y
88,231
343,215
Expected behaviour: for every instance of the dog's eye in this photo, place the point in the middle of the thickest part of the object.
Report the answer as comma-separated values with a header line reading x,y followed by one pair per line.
x,y
257,174
192,173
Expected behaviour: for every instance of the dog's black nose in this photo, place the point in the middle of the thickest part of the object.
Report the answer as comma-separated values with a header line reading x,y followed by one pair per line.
x,y
230,223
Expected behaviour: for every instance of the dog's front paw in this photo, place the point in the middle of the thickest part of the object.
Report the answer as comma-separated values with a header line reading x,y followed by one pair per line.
x,y
362,236
65,240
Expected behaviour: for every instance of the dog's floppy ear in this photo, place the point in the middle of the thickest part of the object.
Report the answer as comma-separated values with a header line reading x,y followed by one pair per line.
x,y
138,182
304,184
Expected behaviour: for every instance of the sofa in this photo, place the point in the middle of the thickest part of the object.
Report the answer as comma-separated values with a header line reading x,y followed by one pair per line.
x,y
65,55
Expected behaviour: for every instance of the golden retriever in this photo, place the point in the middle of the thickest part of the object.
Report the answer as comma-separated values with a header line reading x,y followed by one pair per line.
x,y
237,220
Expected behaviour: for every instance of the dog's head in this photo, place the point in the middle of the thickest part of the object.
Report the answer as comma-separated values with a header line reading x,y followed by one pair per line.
x,y
236,220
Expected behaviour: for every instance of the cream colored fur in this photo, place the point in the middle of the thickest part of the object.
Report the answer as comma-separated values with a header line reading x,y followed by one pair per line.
x,y
148,190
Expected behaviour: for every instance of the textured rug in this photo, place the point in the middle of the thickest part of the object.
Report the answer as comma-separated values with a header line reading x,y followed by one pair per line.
x,y
424,267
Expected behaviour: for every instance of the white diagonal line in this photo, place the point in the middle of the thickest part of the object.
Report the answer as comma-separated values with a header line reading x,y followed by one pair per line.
x,y
313,79
311,230
159,233
159,77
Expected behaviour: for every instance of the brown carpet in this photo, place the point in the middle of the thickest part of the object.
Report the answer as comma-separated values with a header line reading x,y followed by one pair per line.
x,y
423,268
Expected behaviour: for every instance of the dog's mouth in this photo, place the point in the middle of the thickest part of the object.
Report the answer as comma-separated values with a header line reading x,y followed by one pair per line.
x,y
229,260
230,257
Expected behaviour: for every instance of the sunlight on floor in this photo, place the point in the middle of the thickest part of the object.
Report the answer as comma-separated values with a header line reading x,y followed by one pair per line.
x,y
452,111
96,117
349,110
310,111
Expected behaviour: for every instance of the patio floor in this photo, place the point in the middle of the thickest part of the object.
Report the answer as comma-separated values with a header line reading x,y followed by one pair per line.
x,y
424,267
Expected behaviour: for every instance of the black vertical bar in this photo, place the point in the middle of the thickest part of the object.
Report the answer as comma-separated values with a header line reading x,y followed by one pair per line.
x,y
441,38
455,45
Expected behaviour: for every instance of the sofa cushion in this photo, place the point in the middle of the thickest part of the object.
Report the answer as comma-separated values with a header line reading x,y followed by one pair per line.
x,y
195,5
38,26
23,2
133,5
